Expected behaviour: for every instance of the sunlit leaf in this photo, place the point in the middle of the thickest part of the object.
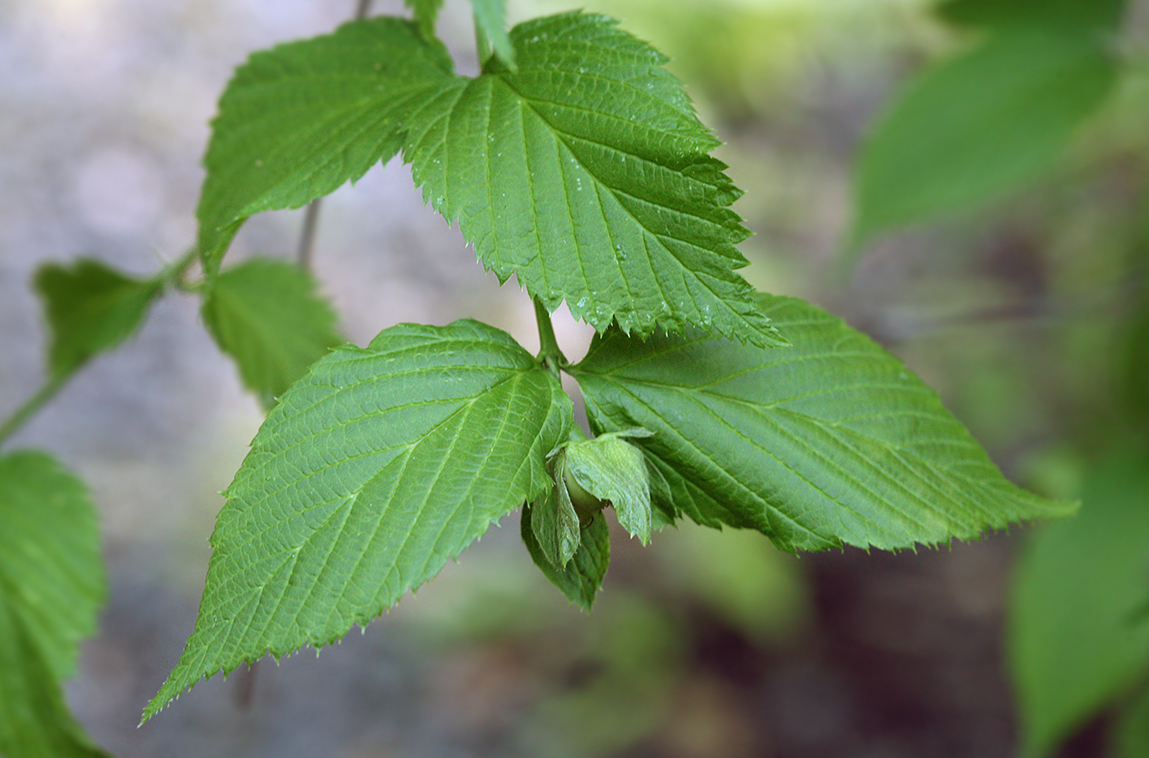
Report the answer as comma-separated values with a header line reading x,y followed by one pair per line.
x,y
377,467
829,441
301,119
585,172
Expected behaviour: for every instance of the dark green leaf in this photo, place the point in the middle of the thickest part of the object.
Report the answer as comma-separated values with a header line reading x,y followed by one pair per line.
x,y
91,309
826,442
586,174
1079,634
1073,16
372,471
582,577
269,317
300,120
51,587
426,12
490,18
979,125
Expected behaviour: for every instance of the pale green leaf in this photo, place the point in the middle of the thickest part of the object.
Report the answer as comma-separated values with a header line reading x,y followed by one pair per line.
x,y
377,467
610,468
268,316
52,585
1079,636
554,522
978,125
298,121
490,19
581,578
586,174
829,441
91,309
426,12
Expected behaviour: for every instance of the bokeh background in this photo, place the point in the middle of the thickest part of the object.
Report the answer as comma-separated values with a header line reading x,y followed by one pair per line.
x,y
704,644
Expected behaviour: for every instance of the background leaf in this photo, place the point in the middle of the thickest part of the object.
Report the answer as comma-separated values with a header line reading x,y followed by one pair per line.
x,y
1074,16
581,578
1079,636
826,442
586,174
91,308
426,12
490,18
1131,736
299,120
371,472
51,587
978,125
268,315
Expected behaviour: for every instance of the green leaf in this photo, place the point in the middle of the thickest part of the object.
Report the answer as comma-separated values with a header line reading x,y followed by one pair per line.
x,y
555,523
301,119
426,12
372,471
1079,636
490,19
1131,734
586,174
91,309
581,578
268,316
34,719
826,442
51,587
978,126
610,468
1073,16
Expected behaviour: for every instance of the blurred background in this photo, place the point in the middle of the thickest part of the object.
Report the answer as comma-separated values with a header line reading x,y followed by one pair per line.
x,y
705,644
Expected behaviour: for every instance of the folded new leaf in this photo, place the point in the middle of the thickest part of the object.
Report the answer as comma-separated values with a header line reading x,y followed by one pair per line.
x,y
372,471
829,441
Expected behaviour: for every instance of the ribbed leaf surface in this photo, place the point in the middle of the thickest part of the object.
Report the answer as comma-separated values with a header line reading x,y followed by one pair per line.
x,y
826,442
371,472
584,172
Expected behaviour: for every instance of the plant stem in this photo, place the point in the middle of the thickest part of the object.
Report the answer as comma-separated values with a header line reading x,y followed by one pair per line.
x,y
549,346
306,249
33,404
482,45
